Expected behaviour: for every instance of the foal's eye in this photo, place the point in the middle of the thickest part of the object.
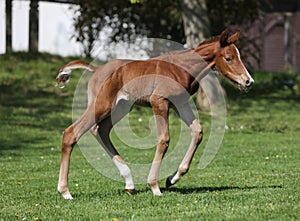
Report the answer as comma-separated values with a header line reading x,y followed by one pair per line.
x,y
228,60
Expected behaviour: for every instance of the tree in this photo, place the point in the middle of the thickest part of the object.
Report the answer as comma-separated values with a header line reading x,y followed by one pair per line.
x,y
34,26
124,20
8,12
233,13
196,28
238,14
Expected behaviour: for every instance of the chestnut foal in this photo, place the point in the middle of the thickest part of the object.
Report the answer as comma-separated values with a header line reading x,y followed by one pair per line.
x,y
158,82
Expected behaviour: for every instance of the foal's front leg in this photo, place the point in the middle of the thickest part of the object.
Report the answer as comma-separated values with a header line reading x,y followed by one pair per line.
x,y
189,118
160,108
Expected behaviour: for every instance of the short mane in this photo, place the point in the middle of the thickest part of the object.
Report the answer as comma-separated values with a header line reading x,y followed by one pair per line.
x,y
210,40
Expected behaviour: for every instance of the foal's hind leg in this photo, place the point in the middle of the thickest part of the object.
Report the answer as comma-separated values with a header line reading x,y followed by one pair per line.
x,y
189,118
101,132
70,137
102,135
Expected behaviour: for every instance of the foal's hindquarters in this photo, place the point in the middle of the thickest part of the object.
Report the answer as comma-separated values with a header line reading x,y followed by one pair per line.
x,y
97,113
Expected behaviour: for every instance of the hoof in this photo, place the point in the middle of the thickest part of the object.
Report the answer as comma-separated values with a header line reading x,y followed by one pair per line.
x,y
155,189
168,181
156,192
130,191
67,195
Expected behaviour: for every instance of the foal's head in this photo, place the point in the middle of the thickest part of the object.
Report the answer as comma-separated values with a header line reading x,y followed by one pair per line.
x,y
228,61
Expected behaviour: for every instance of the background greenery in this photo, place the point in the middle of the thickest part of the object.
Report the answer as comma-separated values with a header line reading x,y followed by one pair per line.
x,y
127,20
255,175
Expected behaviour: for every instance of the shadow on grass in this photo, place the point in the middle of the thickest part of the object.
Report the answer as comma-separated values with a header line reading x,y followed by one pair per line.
x,y
215,189
183,191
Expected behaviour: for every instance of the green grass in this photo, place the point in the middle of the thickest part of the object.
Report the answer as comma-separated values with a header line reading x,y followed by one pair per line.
x,y
255,175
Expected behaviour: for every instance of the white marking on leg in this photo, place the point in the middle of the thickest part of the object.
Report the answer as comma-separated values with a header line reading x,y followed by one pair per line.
x,y
175,178
64,191
124,172
67,195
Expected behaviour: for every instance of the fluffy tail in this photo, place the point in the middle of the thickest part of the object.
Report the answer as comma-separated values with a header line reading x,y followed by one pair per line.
x,y
64,73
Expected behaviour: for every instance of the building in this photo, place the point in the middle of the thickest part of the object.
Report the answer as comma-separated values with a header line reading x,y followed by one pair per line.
x,y
277,36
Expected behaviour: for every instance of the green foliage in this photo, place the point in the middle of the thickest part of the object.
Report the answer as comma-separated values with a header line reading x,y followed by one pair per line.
x,y
255,175
228,13
128,20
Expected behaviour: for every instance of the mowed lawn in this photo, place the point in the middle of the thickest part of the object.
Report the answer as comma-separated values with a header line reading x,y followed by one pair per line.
x,y
254,176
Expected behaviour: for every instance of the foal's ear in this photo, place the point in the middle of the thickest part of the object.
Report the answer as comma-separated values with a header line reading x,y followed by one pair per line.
x,y
233,38
224,38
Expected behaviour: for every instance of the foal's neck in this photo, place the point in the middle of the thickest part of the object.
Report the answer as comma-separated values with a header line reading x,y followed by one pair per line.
x,y
207,51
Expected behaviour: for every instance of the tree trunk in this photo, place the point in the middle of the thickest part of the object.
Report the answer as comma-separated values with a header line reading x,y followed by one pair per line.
x,y
197,29
8,12
195,21
288,42
34,26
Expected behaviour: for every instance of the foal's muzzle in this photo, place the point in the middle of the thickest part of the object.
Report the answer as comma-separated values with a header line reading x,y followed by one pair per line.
x,y
249,83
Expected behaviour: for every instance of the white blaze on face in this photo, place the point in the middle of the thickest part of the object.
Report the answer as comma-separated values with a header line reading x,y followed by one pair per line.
x,y
245,70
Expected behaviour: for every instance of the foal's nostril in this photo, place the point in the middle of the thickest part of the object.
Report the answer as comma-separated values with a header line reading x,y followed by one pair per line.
x,y
248,83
